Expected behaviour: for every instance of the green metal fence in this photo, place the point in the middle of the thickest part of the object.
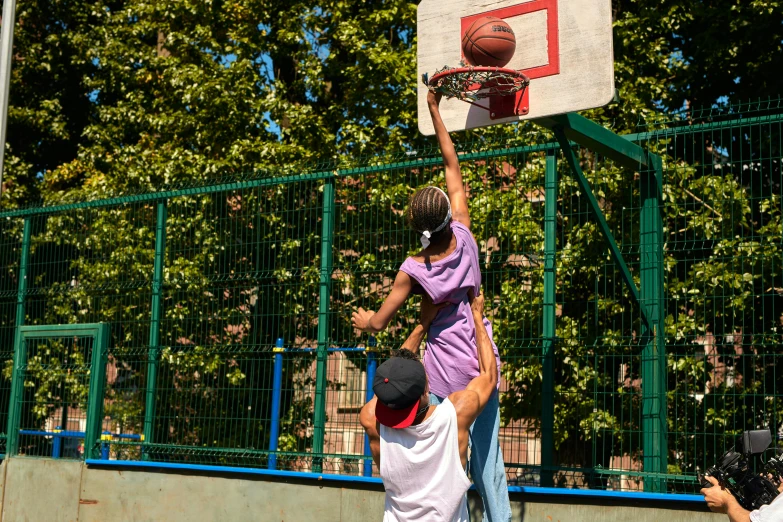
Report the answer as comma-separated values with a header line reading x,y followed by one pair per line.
x,y
628,369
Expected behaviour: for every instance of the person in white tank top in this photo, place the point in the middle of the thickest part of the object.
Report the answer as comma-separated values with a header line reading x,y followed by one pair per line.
x,y
421,450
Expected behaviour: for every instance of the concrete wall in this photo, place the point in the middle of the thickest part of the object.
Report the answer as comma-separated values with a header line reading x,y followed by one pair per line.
x,y
39,490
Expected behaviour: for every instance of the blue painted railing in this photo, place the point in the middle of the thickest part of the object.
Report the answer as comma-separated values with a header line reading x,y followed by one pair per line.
x,y
277,383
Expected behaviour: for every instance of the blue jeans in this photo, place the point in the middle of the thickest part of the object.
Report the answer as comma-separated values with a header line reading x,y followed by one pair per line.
x,y
486,462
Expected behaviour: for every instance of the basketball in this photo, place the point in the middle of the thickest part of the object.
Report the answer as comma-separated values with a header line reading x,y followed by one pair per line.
x,y
489,41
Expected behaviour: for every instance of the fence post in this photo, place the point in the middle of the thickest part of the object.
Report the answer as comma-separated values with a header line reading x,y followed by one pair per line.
x,y
20,351
92,432
277,383
153,354
319,418
57,443
549,318
653,370
372,364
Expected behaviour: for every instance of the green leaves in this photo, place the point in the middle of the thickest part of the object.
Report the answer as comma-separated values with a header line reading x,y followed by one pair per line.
x,y
144,95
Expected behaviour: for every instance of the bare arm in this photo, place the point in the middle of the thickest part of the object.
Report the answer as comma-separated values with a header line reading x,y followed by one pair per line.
x,y
454,185
413,342
427,314
373,322
471,402
370,425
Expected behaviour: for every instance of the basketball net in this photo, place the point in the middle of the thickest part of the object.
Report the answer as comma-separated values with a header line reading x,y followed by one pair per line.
x,y
476,83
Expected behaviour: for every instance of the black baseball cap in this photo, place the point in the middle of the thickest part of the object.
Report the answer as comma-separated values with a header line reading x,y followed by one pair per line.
x,y
399,384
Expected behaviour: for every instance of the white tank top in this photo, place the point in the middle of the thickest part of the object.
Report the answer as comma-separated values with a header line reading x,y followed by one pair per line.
x,y
422,471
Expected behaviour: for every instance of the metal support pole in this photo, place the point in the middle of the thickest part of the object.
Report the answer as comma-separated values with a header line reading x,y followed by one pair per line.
x,y
598,214
20,351
601,140
372,364
277,384
650,298
653,370
153,353
327,229
549,318
6,55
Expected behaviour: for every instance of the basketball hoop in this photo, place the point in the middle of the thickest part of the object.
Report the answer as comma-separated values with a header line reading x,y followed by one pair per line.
x,y
471,84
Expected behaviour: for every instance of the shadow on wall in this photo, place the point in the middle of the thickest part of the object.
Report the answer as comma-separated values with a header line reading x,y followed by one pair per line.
x,y
517,509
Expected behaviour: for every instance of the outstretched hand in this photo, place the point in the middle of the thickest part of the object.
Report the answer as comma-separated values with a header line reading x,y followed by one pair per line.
x,y
433,98
361,319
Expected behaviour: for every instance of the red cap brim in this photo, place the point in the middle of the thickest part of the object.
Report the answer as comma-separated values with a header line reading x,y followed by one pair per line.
x,y
396,418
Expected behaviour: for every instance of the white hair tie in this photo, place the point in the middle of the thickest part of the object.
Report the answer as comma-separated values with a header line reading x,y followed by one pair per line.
x,y
426,235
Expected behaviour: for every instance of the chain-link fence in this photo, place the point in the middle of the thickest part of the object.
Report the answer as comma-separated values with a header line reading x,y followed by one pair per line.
x,y
228,307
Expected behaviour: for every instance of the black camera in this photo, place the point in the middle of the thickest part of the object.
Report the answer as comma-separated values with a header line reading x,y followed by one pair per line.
x,y
752,486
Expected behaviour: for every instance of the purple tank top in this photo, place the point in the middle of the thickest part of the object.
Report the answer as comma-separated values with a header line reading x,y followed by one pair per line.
x,y
450,358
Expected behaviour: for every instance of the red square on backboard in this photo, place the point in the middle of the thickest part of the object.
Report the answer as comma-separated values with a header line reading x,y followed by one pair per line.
x,y
553,48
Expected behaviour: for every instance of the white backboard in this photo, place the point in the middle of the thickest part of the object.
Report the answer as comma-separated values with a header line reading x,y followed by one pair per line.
x,y
563,46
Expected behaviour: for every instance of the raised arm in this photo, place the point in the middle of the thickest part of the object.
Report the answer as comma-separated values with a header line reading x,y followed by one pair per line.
x,y
454,185
427,314
370,425
372,322
471,402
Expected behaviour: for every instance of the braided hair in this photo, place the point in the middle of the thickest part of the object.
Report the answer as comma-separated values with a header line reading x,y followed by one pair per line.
x,y
427,211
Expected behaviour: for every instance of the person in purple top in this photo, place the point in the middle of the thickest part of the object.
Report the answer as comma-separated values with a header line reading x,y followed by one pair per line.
x,y
445,271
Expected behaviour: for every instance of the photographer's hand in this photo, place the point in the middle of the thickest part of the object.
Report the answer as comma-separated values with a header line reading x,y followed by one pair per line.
x,y
720,500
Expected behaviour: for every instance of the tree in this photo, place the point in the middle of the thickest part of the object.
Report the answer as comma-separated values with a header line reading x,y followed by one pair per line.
x,y
49,106
137,95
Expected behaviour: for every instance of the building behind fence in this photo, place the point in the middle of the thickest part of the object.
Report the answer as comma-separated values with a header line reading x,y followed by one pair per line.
x,y
227,310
